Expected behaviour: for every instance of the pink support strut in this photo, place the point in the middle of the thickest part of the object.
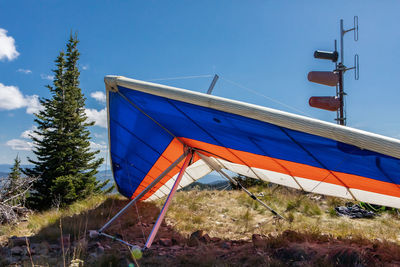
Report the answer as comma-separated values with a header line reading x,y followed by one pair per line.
x,y
168,201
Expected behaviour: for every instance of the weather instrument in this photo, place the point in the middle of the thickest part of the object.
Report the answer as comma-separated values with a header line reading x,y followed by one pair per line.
x,y
335,77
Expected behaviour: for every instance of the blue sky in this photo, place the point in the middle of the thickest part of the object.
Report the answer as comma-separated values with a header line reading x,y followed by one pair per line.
x,y
262,50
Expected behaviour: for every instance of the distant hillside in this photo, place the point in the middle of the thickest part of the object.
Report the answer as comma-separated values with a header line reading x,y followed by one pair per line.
x,y
217,185
5,168
211,178
104,175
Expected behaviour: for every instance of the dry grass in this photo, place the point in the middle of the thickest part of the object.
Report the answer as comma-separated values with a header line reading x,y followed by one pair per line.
x,y
234,215
230,215
224,214
42,220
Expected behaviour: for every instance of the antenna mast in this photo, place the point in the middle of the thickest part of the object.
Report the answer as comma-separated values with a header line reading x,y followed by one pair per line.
x,y
335,78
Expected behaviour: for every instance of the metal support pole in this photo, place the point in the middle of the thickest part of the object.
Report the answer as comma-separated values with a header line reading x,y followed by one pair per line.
x,y
220,171
341,119
341,68
148,188
342,32
214,81
168,201
119,240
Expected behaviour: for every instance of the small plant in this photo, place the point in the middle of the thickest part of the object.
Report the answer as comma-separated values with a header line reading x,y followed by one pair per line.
x,y
293,204
310,208
332,212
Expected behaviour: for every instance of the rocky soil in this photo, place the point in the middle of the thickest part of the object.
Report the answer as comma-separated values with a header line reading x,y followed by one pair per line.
x,y
286,249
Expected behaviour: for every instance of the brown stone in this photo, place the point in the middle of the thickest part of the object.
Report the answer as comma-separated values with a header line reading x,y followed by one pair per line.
x,y
205,238
17,250
65,241
166,242
17,241
215,239
197,237
258,241
225,245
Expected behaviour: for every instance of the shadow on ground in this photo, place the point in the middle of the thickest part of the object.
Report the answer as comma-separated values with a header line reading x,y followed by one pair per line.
x,y
66,241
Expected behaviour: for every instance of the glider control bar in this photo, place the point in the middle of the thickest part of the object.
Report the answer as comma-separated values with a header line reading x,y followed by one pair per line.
x,y
148,188
217,168
168,201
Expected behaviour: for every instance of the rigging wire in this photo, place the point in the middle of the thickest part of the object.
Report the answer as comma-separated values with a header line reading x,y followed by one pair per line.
x,y
330,172
140,222
233,83
181,78
266,97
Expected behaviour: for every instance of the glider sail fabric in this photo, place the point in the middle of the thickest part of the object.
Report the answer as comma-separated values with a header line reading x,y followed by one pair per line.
x,y
150,126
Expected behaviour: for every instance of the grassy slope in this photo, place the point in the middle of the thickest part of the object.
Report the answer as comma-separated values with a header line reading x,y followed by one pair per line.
x,y
230,215
234,215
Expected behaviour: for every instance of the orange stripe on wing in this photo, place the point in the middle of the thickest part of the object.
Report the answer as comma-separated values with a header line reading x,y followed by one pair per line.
x,y
174,150
296,169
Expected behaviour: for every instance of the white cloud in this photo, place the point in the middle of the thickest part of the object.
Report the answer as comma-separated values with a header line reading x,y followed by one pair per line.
x,y
32,104
47,77
99,96
28,133
18,144
25,71
97,135
12,98
7,46
102,146
98,116
85,67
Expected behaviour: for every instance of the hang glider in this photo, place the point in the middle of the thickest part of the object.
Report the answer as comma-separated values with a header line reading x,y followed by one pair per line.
x,y
162,138
151,125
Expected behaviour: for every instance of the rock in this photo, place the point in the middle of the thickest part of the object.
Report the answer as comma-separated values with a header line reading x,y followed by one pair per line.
x,y
93,255
166,242
55,247
43,248
346,257
176,247
65,241
174,241
44,244
11,260
36,258
17,241
93,234
205,238
197,237
100,250
225,245
17,250
92,244
294,253
52,261
258,241
35,246
25,258
215,239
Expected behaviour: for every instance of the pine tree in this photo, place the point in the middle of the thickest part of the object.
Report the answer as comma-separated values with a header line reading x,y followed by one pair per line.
x,y
14,180
65,165
15,173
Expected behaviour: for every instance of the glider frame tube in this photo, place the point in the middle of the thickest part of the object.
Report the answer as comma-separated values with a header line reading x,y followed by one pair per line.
x,y
168,201
148,188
